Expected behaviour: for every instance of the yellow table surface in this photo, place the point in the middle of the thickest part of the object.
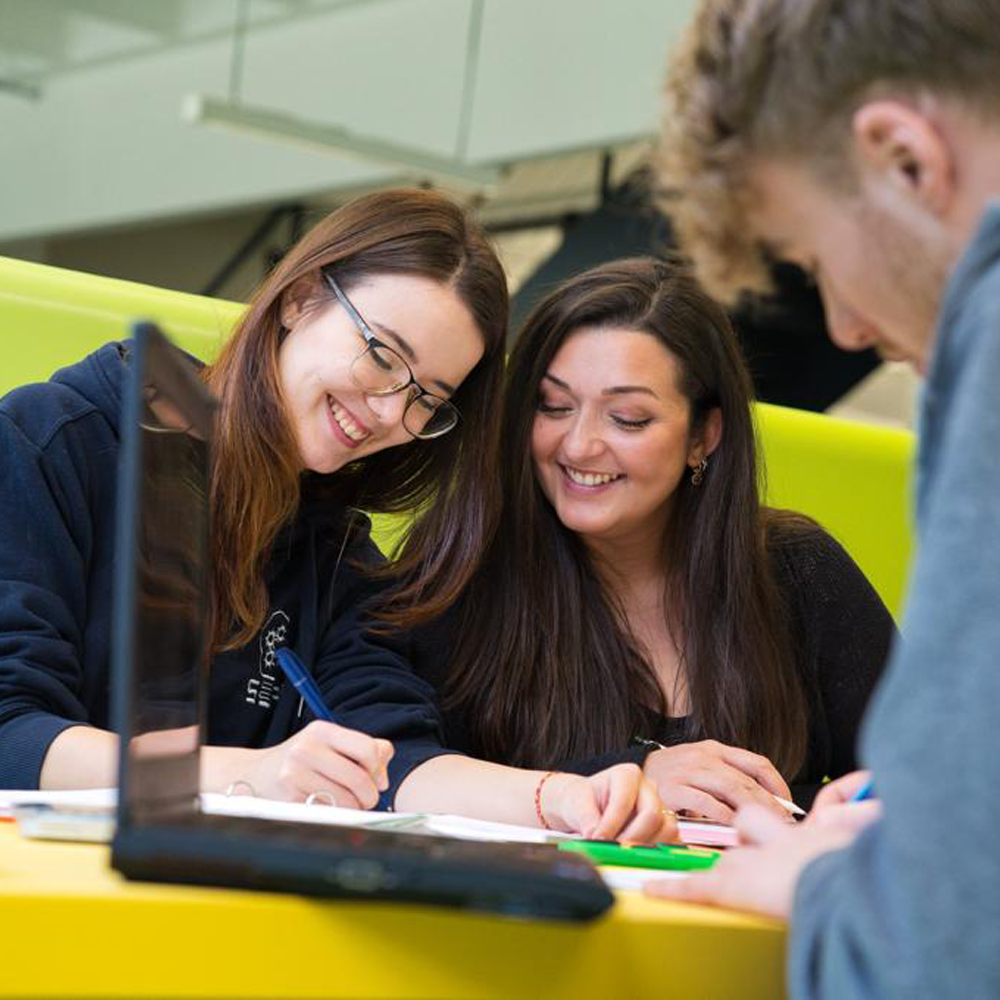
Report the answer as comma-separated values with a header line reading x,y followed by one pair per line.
x,y
71,927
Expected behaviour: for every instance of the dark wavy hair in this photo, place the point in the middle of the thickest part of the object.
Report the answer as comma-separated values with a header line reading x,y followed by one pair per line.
x,y
257,486
545,661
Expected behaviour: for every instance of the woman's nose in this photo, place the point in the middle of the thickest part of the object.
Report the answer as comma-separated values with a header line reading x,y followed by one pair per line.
x,y
582,439
389,409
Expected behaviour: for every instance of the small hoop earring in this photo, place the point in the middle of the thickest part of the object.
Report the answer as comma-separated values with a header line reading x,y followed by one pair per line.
x,y
698,472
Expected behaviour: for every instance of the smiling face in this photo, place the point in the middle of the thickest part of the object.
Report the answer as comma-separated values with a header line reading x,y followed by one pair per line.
x,y
611,435
335,421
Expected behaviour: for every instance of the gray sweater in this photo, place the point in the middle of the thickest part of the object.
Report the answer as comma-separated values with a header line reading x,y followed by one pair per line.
x,y
912,908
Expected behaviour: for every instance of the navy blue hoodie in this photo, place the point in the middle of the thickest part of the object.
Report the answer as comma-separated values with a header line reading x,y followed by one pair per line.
x,y
58,466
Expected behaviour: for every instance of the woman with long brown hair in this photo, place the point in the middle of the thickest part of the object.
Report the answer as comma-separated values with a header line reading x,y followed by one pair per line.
x,y
636,601
364,375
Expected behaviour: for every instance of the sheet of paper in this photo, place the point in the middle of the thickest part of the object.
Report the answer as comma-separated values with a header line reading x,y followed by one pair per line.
x,y
443,824
85,797
480,829
103,800
299,812
704,833
40,820
618,877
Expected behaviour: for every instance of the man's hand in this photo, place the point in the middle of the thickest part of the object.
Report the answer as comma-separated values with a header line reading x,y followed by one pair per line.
x,y
761,876
834,805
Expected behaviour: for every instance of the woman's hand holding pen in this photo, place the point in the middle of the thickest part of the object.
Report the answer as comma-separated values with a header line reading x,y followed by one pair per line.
x,y
346,766
617,803
713,780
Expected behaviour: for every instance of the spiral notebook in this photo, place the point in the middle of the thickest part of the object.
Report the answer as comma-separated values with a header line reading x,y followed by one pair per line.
x,y
159,689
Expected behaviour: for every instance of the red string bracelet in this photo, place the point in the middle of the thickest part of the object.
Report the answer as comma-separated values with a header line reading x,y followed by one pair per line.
x,y
538,799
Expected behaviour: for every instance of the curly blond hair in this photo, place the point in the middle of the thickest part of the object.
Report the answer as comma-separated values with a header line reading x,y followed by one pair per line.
x,y
781,79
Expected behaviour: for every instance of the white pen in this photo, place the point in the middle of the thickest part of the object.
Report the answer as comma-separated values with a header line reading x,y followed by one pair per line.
x,y
785,804
789,805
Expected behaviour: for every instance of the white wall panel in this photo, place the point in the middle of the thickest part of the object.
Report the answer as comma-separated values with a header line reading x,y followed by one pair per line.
x,y
557,74
105,146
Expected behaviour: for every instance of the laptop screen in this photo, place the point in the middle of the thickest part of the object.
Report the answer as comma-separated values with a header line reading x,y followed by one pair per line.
x,y
160,681
160,632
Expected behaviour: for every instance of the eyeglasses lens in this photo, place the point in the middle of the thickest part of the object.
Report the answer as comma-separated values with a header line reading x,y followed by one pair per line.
x,y
429,416
380,369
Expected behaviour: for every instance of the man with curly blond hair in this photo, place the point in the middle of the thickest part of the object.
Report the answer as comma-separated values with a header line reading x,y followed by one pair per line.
x,y
860,139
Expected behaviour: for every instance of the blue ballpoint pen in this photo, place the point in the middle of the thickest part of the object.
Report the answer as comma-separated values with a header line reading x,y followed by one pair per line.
x,y
864,792
295,670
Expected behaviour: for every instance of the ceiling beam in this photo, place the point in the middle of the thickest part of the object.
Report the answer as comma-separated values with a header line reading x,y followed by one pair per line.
x,y
265,123
165,20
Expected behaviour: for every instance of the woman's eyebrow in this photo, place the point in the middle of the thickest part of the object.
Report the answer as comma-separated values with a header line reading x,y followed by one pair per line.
x,y
411,355
618,390
613,390
403,346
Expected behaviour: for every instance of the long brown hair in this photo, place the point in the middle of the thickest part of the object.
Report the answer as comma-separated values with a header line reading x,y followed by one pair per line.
x,y
257,486
545,662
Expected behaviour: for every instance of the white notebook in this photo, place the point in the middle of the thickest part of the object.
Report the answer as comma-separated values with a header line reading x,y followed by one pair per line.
x,y
88,814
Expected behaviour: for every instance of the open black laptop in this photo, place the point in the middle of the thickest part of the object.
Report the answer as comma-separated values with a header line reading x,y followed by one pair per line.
x,y
160,671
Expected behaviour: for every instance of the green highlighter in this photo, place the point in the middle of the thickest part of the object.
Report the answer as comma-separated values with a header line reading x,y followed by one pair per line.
x,y
603,852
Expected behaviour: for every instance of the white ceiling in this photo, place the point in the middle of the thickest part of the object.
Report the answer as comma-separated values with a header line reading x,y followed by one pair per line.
x,y
91,133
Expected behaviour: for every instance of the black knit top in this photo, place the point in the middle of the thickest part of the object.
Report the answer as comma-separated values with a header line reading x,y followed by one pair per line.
x,y
841,633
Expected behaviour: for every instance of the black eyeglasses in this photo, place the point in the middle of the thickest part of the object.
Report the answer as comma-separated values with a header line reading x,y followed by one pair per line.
x,y
382,371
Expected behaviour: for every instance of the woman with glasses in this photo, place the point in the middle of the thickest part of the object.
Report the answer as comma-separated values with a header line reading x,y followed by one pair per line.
x,y
364,375
636,602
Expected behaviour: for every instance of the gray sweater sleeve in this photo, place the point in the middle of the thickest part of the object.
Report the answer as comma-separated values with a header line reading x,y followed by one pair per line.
x,y
911,909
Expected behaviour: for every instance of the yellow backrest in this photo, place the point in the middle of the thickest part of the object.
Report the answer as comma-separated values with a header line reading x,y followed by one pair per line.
x,y
851,477
50,317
